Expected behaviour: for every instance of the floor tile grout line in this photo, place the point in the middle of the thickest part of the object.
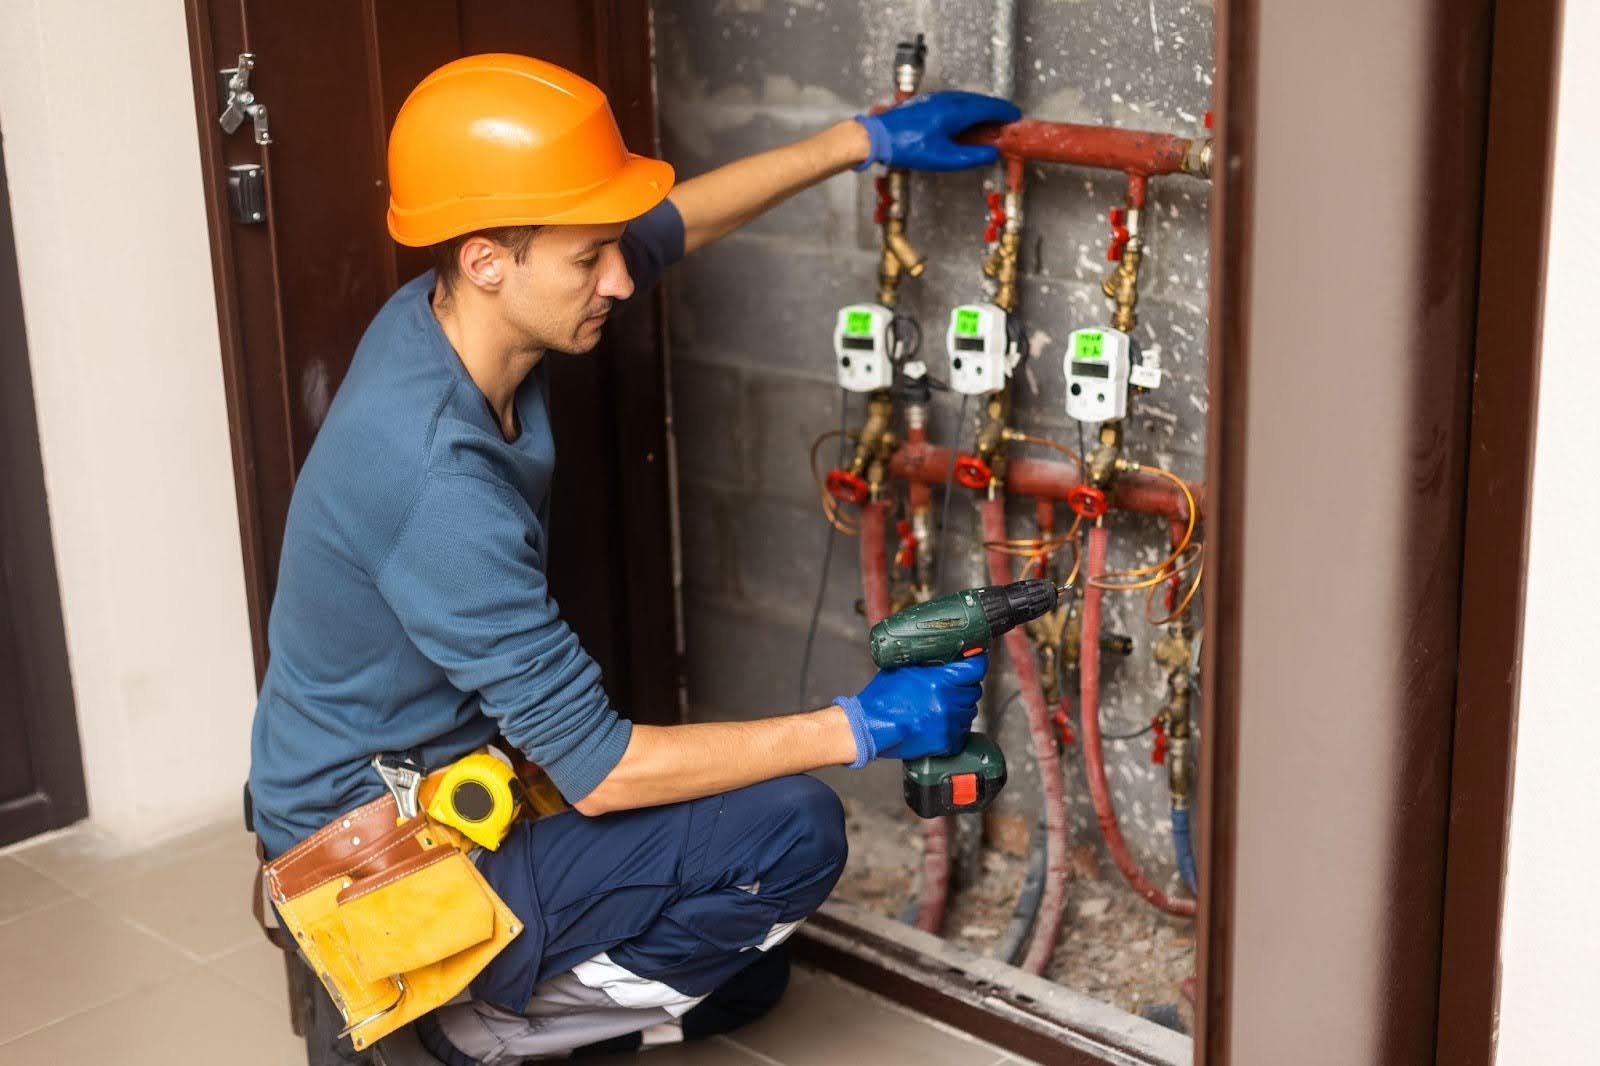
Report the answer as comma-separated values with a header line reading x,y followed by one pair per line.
x,y
96,1005
154,934
40,909
752,1052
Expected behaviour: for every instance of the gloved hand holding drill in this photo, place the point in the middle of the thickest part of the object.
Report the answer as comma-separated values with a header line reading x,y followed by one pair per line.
x,y
908,712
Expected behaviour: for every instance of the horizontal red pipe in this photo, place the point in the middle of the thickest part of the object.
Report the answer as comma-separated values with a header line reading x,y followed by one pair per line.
x,y
1134,491
1130,151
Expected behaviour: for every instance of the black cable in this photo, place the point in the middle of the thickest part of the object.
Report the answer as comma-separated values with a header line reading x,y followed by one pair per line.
x,y
944,510
827,559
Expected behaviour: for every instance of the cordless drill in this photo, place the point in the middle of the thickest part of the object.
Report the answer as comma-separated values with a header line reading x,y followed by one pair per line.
x,y
942,630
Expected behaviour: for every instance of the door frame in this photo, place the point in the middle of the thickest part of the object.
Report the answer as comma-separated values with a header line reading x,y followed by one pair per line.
x,y
614,483
30,594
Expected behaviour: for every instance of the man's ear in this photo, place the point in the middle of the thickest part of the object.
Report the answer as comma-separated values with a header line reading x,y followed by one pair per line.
x,y
482,263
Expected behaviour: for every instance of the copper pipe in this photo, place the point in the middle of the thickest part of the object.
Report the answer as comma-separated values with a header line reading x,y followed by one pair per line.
x,y
1093,757
1132,491
1052,906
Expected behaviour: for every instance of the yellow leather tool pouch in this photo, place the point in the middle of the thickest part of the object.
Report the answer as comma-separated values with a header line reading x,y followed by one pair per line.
x,y
393,918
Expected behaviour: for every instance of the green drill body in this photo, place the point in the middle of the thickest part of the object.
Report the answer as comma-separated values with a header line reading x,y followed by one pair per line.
x,y
942,630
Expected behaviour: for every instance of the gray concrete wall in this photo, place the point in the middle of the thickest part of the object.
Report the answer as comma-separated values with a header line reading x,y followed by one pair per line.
x,y
751,321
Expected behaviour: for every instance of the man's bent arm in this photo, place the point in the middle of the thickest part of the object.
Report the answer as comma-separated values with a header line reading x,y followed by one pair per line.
x,y
719,202
671,764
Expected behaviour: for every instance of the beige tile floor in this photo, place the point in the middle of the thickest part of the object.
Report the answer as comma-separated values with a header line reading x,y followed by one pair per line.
x,y
148,958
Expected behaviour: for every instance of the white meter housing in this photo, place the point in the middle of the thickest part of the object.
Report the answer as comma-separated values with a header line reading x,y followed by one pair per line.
x,y
1097,374
862,347
980,358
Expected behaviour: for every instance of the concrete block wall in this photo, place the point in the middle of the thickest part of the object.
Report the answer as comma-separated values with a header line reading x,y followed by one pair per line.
x,y
751,320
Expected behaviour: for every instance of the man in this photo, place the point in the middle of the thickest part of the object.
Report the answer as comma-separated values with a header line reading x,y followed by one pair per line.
x,y
413,614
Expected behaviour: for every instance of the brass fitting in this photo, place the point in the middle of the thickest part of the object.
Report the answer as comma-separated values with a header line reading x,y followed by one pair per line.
x,y
1002,263
1121,284
876,443
900,256
1047,632
1106,458
922,529
1197,158
990,445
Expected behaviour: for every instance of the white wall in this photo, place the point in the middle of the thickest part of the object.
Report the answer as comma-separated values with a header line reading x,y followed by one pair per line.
x,y
102,153
1550,947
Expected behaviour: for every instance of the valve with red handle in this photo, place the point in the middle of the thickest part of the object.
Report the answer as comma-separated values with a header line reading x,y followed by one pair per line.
x,y
1087,501
997,217
906,556
1120,233
847,487
973,473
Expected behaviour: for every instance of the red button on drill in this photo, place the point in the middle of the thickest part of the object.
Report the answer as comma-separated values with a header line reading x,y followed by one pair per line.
x,y
963,790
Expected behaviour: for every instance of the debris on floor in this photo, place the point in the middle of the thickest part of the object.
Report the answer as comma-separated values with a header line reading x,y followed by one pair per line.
x,y
1114,946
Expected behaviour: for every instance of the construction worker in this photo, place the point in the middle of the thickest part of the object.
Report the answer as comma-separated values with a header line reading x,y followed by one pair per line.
x,y
412,611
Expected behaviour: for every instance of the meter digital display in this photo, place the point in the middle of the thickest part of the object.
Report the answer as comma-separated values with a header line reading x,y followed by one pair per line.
x,y
979,349
1097,365
862,348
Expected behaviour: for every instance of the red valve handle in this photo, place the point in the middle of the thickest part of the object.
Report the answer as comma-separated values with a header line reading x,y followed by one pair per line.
x,y
1208,120
1063,725
1088,501
906,557
1158,753
973,473
880,214
1119,234
997,218
847,487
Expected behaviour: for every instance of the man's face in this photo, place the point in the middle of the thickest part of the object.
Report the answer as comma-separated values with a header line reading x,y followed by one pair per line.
x,y
562,291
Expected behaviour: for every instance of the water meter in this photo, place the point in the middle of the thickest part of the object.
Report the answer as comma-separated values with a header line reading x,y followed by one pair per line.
x,y
1098,363
980,349
863,347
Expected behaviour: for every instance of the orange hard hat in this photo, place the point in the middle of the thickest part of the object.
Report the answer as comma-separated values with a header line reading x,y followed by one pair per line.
x,y
505,140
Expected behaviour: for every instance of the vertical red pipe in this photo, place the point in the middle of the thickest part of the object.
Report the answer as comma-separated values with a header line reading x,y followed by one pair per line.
x,y
935,831
1053,904
1094,758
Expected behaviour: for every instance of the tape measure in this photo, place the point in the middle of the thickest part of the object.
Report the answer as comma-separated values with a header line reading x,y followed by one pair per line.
x,y
481,796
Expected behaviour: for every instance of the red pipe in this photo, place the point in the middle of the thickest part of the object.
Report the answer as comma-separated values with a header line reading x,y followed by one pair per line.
x,y
1130,151
935,831
1094,758
874,563
1133,491
1053,904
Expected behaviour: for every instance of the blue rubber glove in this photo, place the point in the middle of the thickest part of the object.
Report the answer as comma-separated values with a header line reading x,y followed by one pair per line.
x,y
912,711
918,134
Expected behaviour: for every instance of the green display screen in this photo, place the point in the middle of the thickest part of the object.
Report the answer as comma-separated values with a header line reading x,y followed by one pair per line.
x,y
1089,345
858,323
966,323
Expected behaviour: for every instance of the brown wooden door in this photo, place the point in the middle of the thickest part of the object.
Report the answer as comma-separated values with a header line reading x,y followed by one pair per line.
x,y
41,772
296,291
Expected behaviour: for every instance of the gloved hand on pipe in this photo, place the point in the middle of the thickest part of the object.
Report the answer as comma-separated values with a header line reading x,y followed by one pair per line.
x,y
919,134
911,711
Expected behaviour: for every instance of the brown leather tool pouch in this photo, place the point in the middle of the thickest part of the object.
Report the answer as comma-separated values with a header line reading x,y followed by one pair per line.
x,y
394,919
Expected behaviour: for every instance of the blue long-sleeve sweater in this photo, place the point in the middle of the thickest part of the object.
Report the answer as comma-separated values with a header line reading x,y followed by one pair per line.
x,y
412,609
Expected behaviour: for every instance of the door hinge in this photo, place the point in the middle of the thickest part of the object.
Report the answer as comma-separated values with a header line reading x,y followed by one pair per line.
x,y
239,102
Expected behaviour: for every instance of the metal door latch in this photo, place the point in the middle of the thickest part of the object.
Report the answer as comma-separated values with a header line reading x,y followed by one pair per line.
x,y
241,103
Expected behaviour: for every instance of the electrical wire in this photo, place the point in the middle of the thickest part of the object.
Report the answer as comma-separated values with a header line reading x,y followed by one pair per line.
x,y
944,508
827,559
1129,736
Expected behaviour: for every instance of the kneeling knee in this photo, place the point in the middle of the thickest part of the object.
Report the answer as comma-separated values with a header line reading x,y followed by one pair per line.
x,y
816,816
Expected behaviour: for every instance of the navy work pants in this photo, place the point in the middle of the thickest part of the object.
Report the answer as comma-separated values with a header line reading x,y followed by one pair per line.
x,y
631,919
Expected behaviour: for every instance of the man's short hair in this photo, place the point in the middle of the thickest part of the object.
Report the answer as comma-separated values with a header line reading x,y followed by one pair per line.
x,y
447,254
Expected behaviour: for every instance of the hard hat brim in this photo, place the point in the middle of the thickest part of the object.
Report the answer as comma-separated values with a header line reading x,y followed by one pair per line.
x,y
637,186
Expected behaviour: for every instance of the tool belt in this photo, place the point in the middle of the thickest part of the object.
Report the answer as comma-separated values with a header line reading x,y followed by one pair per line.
x,y
390,912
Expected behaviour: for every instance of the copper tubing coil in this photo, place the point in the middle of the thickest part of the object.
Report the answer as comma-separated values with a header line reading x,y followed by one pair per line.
x,y
830,506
